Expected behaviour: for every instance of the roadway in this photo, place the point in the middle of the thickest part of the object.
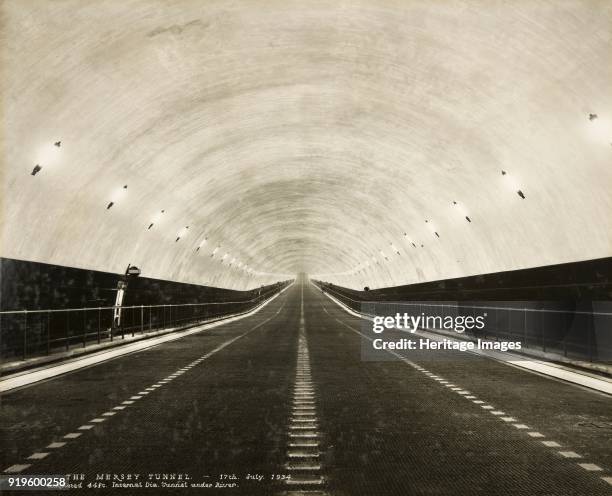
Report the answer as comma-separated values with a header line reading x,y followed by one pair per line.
x,y
285,392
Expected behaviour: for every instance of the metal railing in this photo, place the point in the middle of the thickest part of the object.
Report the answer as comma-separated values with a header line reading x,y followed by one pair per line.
x,y
31,333
575,334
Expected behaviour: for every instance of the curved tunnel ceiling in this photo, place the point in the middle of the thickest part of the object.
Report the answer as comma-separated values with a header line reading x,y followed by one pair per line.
x,y
307,136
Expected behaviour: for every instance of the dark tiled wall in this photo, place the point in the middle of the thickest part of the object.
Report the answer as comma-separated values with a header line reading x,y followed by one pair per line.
x,y
589,280
33,285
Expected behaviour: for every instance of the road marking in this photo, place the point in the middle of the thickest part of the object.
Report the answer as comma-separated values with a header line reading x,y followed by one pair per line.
x,y
97,420
551,444
303,424
14,469
302,454
56,445
569,454
304,481
35,376
591,467
38,456
304,466
535,434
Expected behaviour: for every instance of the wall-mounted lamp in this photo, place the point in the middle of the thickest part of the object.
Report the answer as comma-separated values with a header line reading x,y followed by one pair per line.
x,y
181,233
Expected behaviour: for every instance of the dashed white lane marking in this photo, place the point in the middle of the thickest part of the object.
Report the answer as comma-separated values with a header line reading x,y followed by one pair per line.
x,y
21,380
56,445
38,456
15,469
98,420
569,454
590,467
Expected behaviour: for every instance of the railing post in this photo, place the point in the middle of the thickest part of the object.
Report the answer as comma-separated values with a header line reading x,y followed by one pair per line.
x,y
25,334
525,327
141,319
67,331
84,328
543,338
48,332
99,324
150,318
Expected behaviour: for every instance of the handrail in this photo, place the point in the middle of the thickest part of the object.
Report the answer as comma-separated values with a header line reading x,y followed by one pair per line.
x,y
479,307
57,310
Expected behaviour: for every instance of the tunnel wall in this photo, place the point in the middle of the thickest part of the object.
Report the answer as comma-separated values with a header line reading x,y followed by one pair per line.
x,y
588,280
564,308
33,285
64,307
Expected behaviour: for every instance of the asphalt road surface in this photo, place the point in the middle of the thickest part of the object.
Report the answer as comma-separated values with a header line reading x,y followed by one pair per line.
x,y
284,397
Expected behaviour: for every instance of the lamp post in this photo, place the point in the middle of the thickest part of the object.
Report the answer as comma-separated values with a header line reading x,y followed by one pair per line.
x,y
131,272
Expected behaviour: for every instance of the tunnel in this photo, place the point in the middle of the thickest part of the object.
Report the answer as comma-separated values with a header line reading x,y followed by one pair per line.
x,y
343,248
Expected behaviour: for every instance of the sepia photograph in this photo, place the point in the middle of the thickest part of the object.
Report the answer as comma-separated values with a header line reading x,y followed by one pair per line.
x,y
306,248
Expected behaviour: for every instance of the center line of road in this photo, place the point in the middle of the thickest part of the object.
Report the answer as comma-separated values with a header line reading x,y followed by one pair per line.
x,y
303,450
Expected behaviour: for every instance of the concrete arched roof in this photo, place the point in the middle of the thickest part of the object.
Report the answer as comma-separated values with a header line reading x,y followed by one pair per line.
x,y
307,136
